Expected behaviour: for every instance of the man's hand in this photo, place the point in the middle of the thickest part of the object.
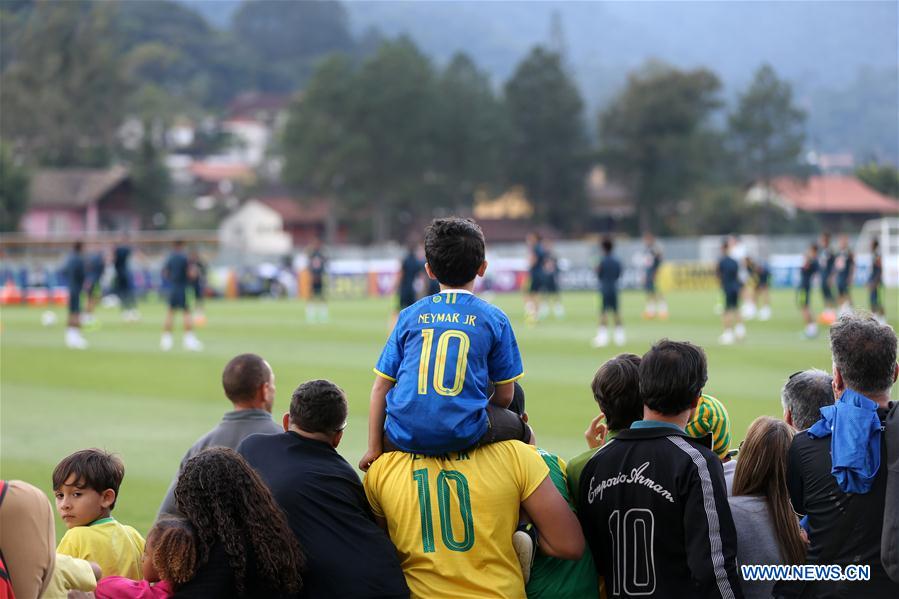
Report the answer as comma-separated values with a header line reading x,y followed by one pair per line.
x,y
596,432
369,458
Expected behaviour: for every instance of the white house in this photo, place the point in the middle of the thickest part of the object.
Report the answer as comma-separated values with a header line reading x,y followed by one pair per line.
x,y
254,228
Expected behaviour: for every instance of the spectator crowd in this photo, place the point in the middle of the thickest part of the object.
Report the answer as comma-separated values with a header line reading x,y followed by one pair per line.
x,y
661,504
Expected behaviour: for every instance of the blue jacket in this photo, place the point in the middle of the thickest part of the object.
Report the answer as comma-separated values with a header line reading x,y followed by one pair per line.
x,y
854,428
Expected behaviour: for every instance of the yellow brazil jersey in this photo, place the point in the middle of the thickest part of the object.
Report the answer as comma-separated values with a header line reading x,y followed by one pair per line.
x,y
117,548
452,517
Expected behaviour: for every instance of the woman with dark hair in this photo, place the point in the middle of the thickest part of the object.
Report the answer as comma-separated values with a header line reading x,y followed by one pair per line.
x,y
767,527
245,549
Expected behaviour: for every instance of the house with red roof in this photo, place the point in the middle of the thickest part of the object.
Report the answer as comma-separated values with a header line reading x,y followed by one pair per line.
x,y
841,202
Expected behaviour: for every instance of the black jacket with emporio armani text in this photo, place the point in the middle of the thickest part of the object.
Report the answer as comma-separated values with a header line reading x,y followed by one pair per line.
x,y
653,506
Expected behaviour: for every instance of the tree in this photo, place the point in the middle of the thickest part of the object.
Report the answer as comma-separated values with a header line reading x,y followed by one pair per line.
x,y
655,137
547,146
882,177
470,134
152,182
767,131
288,38
13,191
169,47
366,135
62,93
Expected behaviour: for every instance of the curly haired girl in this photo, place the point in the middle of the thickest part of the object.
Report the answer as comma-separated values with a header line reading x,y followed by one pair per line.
x,y
170,561
245,547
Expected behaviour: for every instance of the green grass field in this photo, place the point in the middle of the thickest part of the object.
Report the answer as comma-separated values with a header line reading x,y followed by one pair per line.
x,y
124,395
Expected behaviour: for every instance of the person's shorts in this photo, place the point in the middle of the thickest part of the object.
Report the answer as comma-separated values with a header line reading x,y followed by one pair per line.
x,y
407,298
122,283
198,291
805,296
318,286
649,286
178,298
536,282
731,298
763,281
551,285
502,425
74,301
609,301
826,290
842,287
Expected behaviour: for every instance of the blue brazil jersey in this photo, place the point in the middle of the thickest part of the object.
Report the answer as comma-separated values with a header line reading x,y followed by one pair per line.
x,y
442,353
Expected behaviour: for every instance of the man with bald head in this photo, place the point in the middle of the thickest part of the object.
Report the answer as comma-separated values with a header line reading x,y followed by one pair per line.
x,y
249,383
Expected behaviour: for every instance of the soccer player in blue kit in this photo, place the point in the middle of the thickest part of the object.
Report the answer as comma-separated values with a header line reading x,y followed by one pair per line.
x,y
74,270
177,272
609,272
728,272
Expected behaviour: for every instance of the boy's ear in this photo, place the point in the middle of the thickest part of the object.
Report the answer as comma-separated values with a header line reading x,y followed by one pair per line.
x,y
107,498
482,269
429,272
286,421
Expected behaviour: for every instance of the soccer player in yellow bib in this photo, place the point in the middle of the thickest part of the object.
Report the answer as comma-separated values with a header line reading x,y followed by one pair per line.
x,y
452,517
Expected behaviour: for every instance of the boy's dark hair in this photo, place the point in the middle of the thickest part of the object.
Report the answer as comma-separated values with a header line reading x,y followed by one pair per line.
x,y
78,246
607,245
318,406
517,404
242,376
672,375
616,388
93,469
454,249
174,550
178,243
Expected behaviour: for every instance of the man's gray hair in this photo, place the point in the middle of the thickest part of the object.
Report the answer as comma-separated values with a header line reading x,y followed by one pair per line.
x,y
804,394
864,351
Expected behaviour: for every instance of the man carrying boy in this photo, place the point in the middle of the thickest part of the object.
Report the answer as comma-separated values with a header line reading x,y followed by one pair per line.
x,y
430,392
86,485
609,271
653,502
177,272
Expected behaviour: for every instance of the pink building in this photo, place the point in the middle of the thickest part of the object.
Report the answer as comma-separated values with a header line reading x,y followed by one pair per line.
x,y
80,201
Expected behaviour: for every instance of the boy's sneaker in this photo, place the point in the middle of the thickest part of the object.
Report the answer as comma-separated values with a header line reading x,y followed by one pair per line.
x,y
524,540
602,338
765,313
619,336
165,343
740,331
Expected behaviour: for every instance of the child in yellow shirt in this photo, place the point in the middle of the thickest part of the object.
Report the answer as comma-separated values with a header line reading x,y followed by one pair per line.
x,y
86,485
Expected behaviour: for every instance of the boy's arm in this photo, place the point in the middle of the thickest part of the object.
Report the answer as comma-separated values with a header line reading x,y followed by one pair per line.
x,y
377,409
503,394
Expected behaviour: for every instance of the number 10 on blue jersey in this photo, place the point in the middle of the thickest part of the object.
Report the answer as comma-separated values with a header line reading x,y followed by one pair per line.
x,y
439,378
